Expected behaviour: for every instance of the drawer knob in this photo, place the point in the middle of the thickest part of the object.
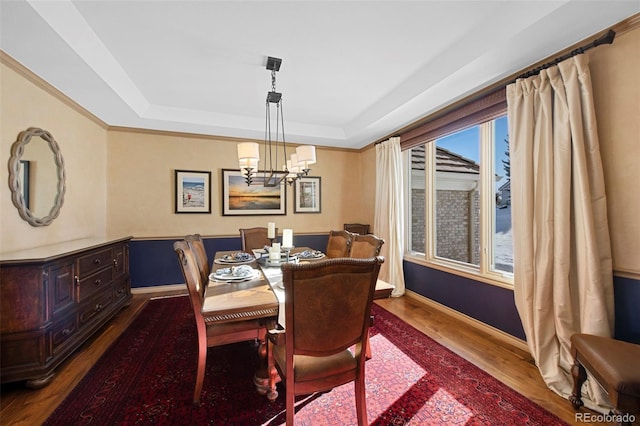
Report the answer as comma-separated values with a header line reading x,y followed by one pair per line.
x,y
115,263
99,307
98,282
77,279
96,261
120,291
66,331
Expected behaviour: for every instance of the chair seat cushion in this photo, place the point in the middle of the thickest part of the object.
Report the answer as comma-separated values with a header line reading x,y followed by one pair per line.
x,y
312,367
615,362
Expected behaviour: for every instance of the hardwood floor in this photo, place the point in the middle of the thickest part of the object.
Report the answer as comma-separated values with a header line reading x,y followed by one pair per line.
x,y
509,364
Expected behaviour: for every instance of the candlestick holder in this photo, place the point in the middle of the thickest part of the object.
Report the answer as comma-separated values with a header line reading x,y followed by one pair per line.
x,y
287,250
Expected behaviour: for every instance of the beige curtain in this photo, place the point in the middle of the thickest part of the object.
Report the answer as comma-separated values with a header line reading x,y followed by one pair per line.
x,y
562,255
389,212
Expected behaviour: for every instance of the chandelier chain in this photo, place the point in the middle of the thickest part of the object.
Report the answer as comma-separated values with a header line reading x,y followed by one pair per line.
x,y
273,80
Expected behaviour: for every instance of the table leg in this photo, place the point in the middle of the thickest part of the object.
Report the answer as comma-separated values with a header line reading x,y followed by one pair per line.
x,y
261,376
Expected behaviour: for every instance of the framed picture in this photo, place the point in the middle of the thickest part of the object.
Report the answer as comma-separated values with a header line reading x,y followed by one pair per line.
x,y
307,195
24,180
240,199
193,191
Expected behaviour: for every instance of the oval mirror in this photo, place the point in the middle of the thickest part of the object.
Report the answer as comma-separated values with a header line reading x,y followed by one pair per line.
x,y
36,176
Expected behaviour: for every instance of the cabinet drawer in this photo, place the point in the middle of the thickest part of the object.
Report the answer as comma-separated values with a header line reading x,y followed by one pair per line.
x,y
94,261
94,283
120,289
63,331
95,308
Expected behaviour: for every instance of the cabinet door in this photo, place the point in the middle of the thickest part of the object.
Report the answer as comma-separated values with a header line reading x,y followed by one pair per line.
x,y
120,260
61,283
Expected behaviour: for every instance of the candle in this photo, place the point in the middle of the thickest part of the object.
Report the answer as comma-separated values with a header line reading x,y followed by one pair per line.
x,y
271,230
287,238
274,251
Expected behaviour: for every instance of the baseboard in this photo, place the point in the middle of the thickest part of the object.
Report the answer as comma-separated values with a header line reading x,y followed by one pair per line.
x,y
159,288
499,334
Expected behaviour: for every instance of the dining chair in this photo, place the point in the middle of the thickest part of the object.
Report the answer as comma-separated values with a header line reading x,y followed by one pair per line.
x,y
254,238
357,228
364,246
209,334
327,308
339,244
202,260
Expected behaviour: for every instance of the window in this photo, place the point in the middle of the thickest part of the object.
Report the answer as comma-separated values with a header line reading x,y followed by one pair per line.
x,y
459,200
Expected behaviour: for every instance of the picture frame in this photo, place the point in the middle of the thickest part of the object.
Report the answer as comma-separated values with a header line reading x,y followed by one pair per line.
x,y
240,199
192,191
24,180
307,195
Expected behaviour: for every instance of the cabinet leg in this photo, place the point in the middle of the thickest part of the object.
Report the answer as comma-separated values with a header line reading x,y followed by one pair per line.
x,y
40,382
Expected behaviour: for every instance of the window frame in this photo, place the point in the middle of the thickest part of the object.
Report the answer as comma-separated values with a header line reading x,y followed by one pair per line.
x,y
485,271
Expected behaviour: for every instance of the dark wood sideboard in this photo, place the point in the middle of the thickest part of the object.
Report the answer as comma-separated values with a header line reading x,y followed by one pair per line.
x,y
53,298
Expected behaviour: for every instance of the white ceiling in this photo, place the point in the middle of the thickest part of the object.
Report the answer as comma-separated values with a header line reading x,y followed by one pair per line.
x,y
352,71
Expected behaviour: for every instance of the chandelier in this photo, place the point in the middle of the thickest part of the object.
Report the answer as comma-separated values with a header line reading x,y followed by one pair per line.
x,y
273,174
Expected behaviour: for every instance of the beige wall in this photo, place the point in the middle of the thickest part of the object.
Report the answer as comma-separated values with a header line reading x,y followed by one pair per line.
x,y
121,182
366,213
83,143
614,74
141,187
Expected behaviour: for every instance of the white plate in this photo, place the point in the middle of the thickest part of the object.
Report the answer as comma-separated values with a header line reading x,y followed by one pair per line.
x,y
230,259
228,276
309,254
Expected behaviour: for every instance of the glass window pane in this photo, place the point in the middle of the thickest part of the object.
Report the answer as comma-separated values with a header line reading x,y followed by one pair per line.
x,y
417,201
457,185
503,241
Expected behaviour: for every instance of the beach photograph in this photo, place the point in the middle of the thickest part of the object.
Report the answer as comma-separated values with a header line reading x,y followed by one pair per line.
x,y
240,198
193,192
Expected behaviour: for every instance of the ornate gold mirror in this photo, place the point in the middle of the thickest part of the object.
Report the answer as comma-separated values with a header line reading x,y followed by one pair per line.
x,y
36,176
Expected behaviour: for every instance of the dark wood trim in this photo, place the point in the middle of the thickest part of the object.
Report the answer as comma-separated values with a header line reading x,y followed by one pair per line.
x,y
482,109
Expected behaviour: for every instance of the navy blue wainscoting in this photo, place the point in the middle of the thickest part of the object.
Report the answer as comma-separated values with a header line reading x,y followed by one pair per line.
x,y
496,306
154,263
627,301
487,303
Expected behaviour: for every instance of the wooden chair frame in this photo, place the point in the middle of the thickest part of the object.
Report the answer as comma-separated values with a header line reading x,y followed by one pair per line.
x,y
327,311
357,228
364,246
339,244
255,238
202,260
210,333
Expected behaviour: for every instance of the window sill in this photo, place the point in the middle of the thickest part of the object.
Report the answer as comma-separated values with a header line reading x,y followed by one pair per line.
x,y
462,271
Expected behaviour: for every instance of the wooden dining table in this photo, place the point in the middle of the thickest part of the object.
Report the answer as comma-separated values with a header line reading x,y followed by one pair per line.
x,y
259,296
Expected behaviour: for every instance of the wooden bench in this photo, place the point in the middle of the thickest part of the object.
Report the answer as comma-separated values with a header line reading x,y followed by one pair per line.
x,y
614,364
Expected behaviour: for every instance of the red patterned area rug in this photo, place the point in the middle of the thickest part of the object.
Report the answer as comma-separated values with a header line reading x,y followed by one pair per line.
x,y
147,377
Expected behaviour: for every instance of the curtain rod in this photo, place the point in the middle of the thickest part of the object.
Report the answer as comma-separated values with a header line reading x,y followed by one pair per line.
x,y
605,39
386,139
